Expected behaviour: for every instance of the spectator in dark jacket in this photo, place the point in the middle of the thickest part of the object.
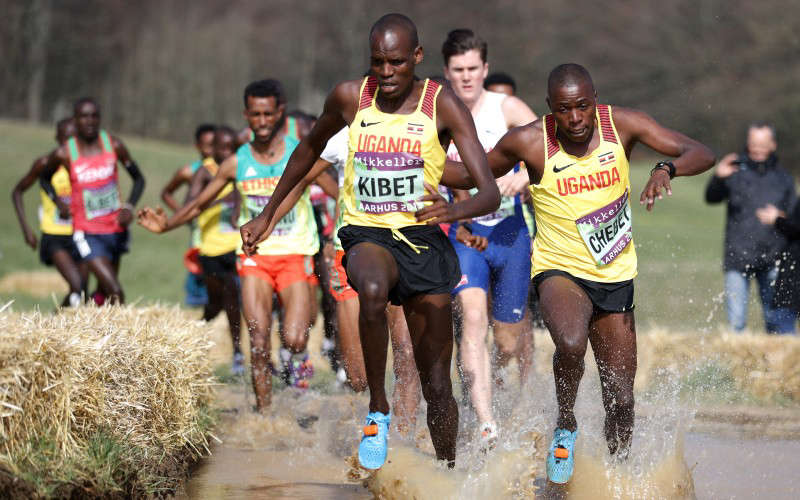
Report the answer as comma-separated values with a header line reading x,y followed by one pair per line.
x,y
749,181
787,286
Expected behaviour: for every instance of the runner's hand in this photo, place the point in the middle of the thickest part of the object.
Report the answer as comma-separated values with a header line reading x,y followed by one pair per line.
x,y
768,214
726,167
63,209
511,185
438,212
253,233
154,221
125,216
30,239
652,190
466,238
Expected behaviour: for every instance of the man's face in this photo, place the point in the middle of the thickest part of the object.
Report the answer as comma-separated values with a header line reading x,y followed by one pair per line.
x,y
65,131
392,61
224,145
501,88
87,121
573,106
205,144
263,114
760,143
466,73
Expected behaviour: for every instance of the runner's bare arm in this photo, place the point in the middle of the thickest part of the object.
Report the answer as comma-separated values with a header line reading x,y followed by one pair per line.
x,y
16,196
125,215
181,176
197,183
516,113
339,110
157,221
691,157
58,157
501,160
454,117
317,171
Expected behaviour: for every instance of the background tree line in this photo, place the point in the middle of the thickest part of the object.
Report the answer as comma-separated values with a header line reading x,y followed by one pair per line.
x,y
160,67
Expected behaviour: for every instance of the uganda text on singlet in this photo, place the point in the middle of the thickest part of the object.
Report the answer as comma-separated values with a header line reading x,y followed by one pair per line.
x,y
582,208
390,158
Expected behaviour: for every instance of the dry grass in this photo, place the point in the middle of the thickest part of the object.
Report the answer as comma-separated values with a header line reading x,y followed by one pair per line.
x,y
41,283
109,400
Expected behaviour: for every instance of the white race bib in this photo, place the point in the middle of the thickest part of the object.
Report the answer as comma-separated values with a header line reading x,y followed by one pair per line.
x,y
607,231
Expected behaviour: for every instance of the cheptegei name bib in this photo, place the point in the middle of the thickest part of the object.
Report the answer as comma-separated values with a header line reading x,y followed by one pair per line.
x,y
388,182
256,203
607,231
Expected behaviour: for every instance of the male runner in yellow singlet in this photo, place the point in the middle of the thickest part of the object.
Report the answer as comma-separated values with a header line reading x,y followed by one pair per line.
x,y
56,247
218,241
399,126
196,294
584,260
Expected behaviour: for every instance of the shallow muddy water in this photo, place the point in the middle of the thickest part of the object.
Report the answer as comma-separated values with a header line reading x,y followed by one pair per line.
x,y
305,447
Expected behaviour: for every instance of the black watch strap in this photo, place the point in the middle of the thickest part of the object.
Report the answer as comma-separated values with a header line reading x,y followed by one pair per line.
x,y
667,166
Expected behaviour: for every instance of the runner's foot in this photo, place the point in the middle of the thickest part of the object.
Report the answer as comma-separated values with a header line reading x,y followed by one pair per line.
x,y
372,450
560,459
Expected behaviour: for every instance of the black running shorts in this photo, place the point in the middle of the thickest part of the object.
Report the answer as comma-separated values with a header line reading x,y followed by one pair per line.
x,y
51,243
433,271
606,297
219,265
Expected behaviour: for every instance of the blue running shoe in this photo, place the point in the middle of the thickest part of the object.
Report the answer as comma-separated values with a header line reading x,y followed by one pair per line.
x,y
560,458
372,450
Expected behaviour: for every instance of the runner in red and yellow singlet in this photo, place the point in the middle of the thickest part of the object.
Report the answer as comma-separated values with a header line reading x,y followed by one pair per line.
x,y
99,218
584,260
398,127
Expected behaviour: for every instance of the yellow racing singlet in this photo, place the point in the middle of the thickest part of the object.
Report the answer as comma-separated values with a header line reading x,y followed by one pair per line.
x,y
582,208
217,235
389,158
50,221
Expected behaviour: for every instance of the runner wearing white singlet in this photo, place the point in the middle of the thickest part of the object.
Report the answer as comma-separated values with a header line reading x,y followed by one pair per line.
x,y
493,250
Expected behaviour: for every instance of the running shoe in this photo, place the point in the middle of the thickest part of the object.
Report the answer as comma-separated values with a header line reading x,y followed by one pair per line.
x,y
560,458
488,436
372,450
237,368
300,371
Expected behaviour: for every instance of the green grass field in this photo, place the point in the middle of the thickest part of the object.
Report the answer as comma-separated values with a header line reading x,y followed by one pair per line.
x,y
679,244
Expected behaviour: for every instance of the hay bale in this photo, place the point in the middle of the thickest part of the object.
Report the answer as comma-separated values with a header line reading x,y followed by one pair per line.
x,y
80,386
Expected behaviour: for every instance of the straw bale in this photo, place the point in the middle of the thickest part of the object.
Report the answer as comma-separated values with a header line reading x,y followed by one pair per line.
x,y
139,375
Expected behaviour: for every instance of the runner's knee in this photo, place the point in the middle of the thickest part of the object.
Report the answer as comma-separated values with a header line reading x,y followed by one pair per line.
x,y
573,346
373,298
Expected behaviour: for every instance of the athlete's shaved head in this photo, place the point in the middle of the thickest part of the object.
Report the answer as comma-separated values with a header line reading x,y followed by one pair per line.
x,y
84,100
568,74
396,23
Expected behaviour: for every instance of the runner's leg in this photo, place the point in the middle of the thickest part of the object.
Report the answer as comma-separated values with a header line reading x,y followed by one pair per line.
x,y
613,338
507,338
474,353
70,271
296,299
106,273
407,391
566,310
373,271
257,306
350,343
430,322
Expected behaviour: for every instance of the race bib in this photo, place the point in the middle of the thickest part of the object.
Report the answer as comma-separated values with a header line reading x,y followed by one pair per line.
x,y
506,209
388,182
254,204
607,231
101,201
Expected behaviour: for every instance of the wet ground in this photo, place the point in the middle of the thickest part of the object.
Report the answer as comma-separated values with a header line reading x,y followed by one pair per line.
x,y
305,447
